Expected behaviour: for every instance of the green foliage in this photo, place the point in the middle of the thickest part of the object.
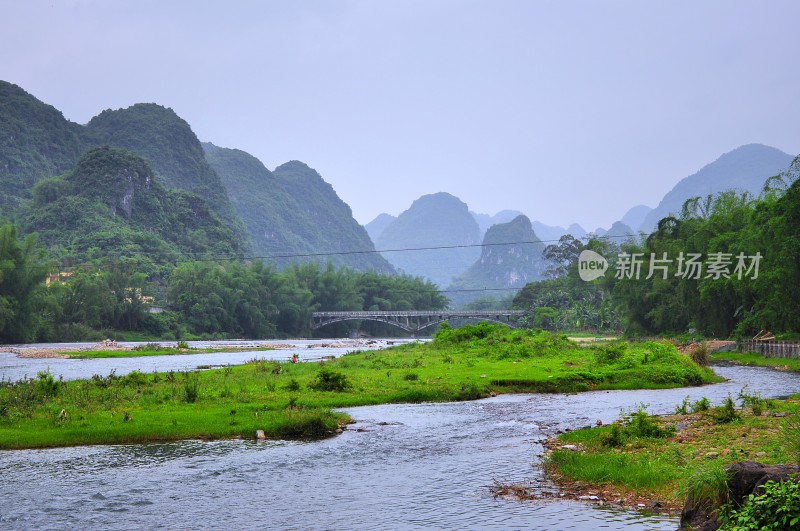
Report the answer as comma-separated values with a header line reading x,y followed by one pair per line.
x,y
699,354
683,408
615,437
754,401
611,352
726,223
636,424
191,386
113,201
791,430
469,391
46,385
777,508
701,404
328,379
564,301
159,135
36,142
22,270
726,412
707,489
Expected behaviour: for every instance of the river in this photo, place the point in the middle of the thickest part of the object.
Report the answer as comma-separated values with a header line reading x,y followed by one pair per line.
x,y
415,466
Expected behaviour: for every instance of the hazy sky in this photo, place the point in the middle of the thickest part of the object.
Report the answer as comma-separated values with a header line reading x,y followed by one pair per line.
x,y
570,111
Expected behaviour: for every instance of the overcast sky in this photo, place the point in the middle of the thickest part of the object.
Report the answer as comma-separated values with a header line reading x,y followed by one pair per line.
x,y
570,111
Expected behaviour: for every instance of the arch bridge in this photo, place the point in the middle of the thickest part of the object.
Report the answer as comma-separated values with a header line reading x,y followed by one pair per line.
x,y
415,321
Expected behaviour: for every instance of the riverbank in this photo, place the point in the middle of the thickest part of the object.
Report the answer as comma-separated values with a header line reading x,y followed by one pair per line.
x,y
652,463
113,349
295,400
757,360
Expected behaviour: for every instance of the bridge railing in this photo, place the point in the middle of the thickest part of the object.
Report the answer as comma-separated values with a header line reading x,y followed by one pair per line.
x,y
424,313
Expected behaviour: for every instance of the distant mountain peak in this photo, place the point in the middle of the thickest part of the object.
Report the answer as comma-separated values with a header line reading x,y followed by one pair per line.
x,y
433,220
745,168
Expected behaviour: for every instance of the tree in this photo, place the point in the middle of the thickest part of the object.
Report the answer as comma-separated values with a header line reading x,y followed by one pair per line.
x,y
22,272
562,255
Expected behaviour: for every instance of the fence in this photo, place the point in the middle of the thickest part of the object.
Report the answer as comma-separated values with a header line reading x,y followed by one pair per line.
x,y
772,349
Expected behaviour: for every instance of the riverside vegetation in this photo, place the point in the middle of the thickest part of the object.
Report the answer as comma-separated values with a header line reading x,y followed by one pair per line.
x,y
672,458
294,400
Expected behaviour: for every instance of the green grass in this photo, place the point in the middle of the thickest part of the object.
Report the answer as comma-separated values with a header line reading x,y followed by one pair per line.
x,y
635,471
295,399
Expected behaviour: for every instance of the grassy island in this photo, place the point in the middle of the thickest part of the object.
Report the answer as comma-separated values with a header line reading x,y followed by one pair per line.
x,y
295,400
155,349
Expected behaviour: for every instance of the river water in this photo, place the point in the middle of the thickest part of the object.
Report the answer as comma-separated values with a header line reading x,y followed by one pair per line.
x,y
415,466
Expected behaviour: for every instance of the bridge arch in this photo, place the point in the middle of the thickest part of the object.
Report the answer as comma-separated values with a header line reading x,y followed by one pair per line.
x,y
415,321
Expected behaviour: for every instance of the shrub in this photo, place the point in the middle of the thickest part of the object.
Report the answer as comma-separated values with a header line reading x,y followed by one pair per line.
x,y
134,379
640,423
635,424
191,386
293,385
701,404
46,385
755,402
610,353
328,379
777,508
411,377
615,437
726,412
469,391
683,408
699,354
148,347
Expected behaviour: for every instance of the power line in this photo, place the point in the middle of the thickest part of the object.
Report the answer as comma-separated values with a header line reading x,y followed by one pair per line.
x,y
366,251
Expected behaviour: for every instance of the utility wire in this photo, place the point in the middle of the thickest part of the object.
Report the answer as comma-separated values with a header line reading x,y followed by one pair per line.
x,y
366,251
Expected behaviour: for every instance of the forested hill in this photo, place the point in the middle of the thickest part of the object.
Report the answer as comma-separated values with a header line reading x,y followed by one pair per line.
x,y
327,223
435,220
292,215
502,266
113,204
174,152
36,141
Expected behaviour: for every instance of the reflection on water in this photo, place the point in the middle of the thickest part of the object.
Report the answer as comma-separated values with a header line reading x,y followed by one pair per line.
x,y
410,466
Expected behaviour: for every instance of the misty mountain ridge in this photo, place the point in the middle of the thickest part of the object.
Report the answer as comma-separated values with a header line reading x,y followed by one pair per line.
x,y
376,227
292,212
434,220
746,168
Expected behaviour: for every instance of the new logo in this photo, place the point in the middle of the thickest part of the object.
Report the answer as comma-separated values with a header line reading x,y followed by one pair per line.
x,y
591,265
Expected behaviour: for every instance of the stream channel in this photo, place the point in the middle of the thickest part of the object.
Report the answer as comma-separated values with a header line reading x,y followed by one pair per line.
x,y
409,466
